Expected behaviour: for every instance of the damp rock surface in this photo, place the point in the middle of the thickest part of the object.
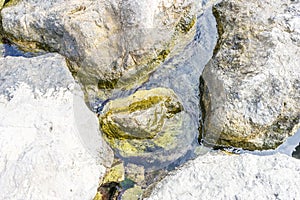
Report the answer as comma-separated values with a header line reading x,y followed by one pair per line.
x,y
45,152
250,94
221,176
149,126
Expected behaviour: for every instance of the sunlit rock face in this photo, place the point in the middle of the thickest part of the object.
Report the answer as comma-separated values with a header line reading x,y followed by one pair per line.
x,y
250,89
149,127
107,43
251,176
48,136
1,3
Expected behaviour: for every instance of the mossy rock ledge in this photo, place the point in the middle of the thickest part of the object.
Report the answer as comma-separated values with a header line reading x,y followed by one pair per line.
x,y
149,124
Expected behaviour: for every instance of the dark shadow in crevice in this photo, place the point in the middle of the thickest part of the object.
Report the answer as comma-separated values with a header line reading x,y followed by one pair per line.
x,y
296,152
11,49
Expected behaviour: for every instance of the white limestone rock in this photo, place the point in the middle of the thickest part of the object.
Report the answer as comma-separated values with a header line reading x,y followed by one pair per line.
x,y
45,133
221,176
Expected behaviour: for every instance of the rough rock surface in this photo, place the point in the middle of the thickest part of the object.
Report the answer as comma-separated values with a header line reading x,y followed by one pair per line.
x,y
46,152
250,88
1,3
104,40
243,176
160,137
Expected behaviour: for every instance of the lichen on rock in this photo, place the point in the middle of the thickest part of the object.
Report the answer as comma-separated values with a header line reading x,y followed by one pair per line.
x,y
115,173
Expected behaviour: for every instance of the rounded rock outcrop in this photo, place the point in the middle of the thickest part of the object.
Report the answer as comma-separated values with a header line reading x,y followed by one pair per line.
x,y
149,124
108,43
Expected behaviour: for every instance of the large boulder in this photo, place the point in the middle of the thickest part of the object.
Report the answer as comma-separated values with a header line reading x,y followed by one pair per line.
x,y
221,176
103,40
150,127
48,136
250,89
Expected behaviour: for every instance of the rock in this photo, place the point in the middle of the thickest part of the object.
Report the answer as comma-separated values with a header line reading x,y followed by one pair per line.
x,y
149,127
250,89
98,196
223,176
134,193
135,173
103,40
1,50
108,191
44,146
1,3
115,174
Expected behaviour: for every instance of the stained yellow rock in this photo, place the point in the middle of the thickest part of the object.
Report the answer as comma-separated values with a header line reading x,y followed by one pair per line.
x,y
1,3
150,124
115,174
134,193
98,196
141,115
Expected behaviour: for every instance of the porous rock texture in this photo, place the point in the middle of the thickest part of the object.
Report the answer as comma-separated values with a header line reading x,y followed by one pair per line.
x,y
45,133
103,40
250,89
221,176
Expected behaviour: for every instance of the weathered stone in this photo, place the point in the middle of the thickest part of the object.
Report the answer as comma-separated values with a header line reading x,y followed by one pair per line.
x,y
46,148
98,196
1,50
115,174
250,92
150,124
135,173
243,176
103,40
124,117
1,3
134,193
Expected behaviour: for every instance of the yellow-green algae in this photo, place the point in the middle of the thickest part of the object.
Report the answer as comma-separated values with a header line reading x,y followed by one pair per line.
x,y
113,123
162,109
1,3
9,3
98,196
115,174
